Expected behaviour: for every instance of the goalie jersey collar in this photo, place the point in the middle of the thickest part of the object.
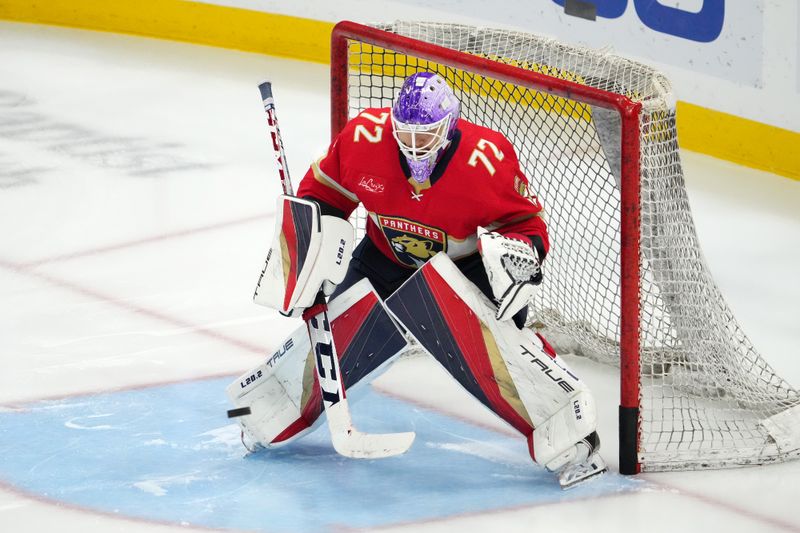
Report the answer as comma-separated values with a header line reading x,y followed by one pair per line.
x,y
441,165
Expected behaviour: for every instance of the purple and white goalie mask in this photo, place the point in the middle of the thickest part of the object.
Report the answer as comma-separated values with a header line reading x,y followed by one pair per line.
x,y
424,118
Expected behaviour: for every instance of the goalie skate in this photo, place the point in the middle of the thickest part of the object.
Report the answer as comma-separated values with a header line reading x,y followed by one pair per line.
x,y
583,463
574,474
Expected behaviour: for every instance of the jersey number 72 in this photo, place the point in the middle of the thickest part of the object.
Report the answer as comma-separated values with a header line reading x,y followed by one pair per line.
x,y
479,155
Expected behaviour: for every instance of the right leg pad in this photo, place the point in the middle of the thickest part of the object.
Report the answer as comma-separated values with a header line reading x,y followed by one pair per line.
x,y
283,393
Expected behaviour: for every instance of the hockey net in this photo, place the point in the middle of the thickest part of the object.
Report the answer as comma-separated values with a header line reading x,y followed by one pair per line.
x,y
700,395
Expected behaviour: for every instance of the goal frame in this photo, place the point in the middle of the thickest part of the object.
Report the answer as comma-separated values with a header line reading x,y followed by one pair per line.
x,y
630,204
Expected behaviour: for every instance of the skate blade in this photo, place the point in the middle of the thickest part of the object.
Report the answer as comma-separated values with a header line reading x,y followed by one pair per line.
x,y
583,477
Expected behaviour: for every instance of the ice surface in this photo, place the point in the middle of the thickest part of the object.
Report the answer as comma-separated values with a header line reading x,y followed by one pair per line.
x,y
136,196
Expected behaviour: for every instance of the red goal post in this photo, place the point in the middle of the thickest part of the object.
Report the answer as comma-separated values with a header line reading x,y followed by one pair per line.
x,y
671,350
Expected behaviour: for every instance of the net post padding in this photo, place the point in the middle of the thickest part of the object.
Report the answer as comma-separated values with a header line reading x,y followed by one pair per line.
x,y
630,239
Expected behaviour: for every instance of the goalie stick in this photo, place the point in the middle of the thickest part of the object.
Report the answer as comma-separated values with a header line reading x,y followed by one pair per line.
x,y
346,439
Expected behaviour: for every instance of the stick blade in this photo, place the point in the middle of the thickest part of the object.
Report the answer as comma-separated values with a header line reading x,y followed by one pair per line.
x,y
350,442
357,445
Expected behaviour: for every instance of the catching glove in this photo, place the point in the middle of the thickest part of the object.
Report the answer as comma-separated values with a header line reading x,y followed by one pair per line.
x,y
512,265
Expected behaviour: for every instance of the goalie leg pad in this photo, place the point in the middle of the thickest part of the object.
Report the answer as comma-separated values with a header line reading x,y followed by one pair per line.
x,y
271,394
365,334
308,252
286,401
553,441
508,370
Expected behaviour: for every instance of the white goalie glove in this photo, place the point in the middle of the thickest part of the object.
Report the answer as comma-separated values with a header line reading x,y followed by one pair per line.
x,y
513,269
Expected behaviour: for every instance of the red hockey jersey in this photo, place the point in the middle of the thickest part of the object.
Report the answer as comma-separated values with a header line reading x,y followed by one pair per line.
x,y
477,182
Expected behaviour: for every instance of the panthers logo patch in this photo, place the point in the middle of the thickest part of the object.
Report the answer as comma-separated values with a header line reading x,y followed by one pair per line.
x,y
412,243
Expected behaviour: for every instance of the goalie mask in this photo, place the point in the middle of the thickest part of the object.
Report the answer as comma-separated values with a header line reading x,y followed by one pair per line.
x,y
424,118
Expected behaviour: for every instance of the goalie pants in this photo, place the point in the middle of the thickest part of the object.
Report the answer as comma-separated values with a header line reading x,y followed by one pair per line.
x,y
387,276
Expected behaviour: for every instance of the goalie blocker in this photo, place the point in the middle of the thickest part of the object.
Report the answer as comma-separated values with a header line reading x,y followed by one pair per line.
x,y
300,261
513,372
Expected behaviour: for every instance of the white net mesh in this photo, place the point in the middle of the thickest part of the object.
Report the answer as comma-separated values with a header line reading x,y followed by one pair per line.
x,y
706,395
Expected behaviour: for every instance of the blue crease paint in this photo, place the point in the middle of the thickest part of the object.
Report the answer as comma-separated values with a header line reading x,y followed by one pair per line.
x,y
169,453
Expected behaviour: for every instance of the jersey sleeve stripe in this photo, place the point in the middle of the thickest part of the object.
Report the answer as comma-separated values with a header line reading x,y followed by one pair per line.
x,y
521,218
326,180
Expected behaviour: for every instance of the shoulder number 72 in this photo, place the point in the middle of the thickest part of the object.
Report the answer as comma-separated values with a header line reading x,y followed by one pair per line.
x,y
479,155
362,130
